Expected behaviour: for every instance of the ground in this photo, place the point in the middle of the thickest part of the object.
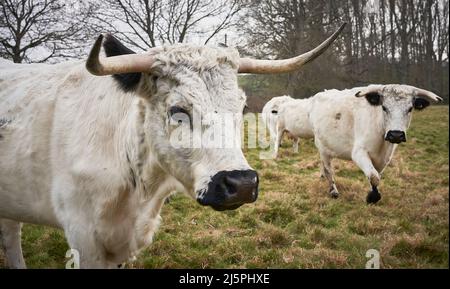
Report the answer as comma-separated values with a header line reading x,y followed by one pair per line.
x,y
295,224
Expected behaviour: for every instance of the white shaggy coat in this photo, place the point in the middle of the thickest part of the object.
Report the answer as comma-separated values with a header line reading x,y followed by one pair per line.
x,y
78,153
349,127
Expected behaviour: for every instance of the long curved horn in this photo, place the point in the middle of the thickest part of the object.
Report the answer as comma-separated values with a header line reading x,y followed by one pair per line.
x,y
248,65
427,94
129,63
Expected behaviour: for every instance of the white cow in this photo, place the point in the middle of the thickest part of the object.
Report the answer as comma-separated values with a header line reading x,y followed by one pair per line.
x,y
284,114
92,155
364,124
269,116
293,118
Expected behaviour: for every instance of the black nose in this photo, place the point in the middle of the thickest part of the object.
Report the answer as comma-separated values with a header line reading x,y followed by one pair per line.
x,y
395,136
228,190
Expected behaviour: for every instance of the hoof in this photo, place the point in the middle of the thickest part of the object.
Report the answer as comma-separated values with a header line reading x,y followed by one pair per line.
x,y
373,197
334,194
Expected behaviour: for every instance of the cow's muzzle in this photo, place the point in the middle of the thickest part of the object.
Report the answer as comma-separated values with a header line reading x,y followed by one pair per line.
x,y
228,190
395,136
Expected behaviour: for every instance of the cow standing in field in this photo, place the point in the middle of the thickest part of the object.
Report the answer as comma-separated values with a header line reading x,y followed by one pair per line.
x,y
364,124
287,115
293,118
270,116
92,155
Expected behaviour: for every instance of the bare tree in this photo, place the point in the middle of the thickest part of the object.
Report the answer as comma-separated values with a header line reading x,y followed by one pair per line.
x,y
385,41
148,23
38,30
281,28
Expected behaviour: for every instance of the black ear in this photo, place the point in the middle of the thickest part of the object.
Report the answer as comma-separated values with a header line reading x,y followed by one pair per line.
x,y
420,103
373,98
113,47
246,109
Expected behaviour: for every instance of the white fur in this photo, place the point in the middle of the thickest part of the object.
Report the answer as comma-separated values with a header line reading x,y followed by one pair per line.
x,y
348,127
75,144
292,117
269,118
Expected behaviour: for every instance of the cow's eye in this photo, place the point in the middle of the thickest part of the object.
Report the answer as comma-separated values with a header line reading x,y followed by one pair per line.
x,y
384,108
179,114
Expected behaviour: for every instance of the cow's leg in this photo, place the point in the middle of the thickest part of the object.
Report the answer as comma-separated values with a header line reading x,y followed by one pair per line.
x,y
78,224
322,171
89,250
295,145
273,133
10,237
362,159
278,137
328,173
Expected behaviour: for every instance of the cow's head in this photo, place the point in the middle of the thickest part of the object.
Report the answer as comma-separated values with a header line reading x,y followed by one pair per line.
x,y
396,103
185,89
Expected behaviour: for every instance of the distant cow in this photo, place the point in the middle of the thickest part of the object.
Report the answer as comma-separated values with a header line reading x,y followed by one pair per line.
x,y
293,118
286,115
364,124
92,155
270,114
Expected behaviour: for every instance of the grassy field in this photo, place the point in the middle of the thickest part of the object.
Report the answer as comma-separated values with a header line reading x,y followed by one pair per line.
x,y
295,224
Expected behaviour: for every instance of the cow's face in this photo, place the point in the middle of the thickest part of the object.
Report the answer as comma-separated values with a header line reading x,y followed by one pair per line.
x,y
193,116
396,102
193,88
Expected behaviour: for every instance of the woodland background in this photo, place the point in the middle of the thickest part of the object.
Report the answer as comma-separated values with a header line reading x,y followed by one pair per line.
x,y
385,41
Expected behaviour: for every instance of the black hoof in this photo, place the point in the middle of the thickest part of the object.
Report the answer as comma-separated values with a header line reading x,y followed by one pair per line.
x,y
334,194
373,197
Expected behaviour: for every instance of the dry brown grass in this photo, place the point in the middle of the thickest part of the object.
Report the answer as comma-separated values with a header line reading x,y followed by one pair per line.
x,y
295,224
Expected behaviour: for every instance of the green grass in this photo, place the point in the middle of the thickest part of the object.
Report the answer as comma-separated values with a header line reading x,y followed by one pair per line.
x,y
295,224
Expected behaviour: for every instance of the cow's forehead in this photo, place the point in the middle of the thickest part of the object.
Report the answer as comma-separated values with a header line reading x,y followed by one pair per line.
x,y
204,76
197,58
221,98
397,96
399,93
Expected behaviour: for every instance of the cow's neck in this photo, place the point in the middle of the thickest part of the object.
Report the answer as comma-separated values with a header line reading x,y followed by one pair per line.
x,y
151,183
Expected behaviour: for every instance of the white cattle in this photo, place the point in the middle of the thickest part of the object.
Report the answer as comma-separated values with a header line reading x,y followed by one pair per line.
x,y
270,115
92,155
284,114
293,118
364,124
